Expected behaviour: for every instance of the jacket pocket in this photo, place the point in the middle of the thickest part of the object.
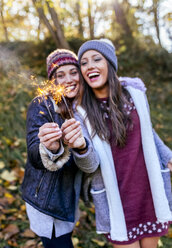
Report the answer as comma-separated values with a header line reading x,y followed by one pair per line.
x,y
39,184
101,210
166,175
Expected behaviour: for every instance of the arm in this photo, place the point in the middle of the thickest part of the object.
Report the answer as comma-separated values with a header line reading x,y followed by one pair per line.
x,y
36,116
164,151
42,136
87,160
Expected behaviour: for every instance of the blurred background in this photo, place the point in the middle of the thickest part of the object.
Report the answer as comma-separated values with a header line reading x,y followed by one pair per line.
x,y
141,31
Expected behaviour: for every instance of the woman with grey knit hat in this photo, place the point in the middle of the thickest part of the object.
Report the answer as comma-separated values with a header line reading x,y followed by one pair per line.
x,y
131,190
59,152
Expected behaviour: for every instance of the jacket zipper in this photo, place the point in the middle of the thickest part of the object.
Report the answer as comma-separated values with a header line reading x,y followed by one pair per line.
x,y
39,185
54,178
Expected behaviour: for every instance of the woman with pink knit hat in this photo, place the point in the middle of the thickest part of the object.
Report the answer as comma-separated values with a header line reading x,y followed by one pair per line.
x,y
58,152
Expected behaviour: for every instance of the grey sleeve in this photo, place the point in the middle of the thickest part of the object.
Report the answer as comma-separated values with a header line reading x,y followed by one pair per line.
x,y
164,151
89,161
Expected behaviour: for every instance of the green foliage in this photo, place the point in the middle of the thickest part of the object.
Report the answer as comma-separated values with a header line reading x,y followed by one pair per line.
x,y
154,68
12,123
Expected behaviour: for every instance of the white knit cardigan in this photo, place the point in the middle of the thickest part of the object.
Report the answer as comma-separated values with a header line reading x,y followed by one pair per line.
x,y
118,230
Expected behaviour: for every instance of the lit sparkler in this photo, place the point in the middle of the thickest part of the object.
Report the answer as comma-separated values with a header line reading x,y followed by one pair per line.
x,y
49,88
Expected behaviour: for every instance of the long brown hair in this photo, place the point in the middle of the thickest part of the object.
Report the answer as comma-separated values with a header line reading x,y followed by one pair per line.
x,y
118,97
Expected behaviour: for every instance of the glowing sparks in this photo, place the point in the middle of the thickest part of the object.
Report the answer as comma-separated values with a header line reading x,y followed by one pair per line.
x,y
54,65
58,93
41,112
49,88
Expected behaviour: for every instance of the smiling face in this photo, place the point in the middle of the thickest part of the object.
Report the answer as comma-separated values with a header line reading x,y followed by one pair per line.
x,y
68,76
94,69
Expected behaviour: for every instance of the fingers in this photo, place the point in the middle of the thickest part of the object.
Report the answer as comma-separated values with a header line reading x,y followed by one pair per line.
x,y
48,130
69,126
73,135
49,125
68,123
49,135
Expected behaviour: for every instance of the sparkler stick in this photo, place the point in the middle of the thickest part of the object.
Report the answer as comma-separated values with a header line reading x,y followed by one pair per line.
x,y
64,100
43,97
59,95
42,91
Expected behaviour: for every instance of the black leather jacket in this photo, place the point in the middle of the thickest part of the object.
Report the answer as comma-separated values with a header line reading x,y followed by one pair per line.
x,y
53,193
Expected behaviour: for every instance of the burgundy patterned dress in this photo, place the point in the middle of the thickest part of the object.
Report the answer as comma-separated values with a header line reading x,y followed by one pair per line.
x,y
133,182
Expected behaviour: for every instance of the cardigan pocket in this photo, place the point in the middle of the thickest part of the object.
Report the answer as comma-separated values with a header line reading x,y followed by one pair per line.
x,y
101,210
166,175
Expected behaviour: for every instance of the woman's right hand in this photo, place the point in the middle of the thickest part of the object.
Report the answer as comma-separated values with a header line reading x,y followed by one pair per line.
x,y
49,135
72,134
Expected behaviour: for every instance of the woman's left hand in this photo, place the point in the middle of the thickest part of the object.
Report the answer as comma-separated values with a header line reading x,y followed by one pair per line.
x,y
169,165
72,134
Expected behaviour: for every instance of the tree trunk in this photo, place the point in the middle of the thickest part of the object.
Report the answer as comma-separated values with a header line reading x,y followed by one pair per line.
x,y
90,20
39,30
59,31
43,17
156,19
3,21
121,18
78,13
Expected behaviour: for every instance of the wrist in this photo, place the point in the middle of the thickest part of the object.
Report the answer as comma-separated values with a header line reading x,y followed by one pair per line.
x,y
83,148
56,149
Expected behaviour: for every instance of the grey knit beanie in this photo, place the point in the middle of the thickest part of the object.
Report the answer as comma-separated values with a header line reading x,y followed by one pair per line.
x,y
103,46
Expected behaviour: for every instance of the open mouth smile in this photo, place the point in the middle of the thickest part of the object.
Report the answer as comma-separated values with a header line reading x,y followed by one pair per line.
x,y
93,76
70,88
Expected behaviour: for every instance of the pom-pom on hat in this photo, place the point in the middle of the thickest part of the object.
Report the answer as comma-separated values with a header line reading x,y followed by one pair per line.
x,y
103,46
58,58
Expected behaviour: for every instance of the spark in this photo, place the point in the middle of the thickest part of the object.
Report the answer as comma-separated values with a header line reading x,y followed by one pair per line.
x,y
49,88
41,112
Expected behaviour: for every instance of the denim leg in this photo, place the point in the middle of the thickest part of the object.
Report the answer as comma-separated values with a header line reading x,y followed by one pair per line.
x,y
63,241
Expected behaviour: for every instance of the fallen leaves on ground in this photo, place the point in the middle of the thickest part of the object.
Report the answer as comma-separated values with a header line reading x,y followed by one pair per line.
x,y
10,231
98,242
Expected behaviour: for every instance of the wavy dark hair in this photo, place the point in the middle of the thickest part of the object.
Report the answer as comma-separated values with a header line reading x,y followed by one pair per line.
x,y
118,97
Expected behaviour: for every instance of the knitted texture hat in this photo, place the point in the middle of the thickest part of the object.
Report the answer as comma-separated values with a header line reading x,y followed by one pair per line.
x,y
59,58
103,46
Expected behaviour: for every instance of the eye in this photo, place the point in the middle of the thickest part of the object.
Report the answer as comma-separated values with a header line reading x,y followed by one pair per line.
x,y
74,73
83,63
97,59
60,76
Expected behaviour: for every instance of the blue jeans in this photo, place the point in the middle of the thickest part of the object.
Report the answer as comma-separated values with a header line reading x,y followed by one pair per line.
x,y
63,241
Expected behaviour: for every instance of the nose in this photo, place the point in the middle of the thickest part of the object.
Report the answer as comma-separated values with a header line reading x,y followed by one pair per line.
x,y
90,64
68,78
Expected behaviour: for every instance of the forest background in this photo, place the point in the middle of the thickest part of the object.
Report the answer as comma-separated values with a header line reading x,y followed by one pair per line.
x,y
141,31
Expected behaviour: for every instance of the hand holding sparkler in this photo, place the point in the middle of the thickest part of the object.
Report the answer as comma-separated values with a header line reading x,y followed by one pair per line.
x,y
72,134
49,135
